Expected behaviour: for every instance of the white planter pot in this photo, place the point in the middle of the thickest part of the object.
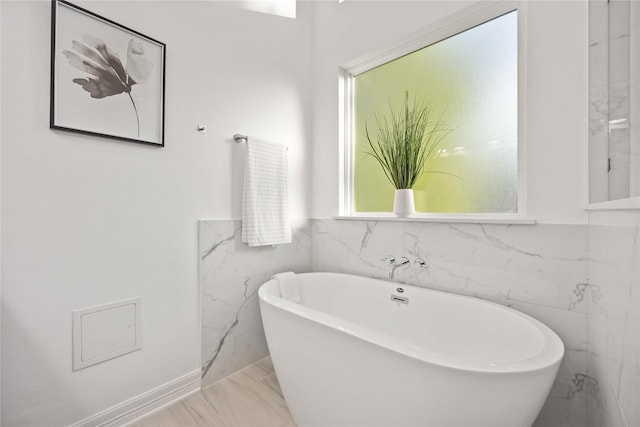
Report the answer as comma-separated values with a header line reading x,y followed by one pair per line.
x,y
403,203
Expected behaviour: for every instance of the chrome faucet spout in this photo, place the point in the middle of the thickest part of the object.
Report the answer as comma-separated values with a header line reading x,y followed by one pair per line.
x,y
402,262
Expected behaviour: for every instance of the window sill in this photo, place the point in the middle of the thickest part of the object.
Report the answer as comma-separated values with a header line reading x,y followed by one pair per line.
x,y
445,218
613,205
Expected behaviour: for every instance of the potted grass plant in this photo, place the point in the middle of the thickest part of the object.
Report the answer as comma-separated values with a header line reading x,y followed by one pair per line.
x,y
401,144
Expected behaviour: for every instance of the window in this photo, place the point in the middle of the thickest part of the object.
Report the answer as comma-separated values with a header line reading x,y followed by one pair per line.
x,y
470,80
286,8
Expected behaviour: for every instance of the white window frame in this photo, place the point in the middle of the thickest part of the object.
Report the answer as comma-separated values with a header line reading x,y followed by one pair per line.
x,y
457,23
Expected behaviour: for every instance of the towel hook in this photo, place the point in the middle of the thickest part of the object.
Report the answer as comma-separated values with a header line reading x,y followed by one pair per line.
x,y
240,138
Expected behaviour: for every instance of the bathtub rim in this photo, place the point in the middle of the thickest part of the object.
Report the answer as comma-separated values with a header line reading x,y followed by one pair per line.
x,y
551,354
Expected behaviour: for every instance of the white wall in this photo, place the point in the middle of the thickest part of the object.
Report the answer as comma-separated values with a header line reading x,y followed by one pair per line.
x,y
88,220
0,223
557,92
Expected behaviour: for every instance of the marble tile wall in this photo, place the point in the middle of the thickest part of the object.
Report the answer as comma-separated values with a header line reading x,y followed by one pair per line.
x,y
613,153
614,319
598,101
619,97
538,269
230,274
634,101
563,275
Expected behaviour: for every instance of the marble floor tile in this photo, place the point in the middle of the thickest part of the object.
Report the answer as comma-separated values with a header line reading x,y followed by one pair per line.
x,y
249,398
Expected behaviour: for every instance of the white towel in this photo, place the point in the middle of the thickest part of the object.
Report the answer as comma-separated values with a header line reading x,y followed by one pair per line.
x,y
265,203
289,287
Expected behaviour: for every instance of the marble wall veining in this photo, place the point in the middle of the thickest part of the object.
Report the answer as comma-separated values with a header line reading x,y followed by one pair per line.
x,y
613,112
614,319
230,274
540,270
567,276
613,294
598,101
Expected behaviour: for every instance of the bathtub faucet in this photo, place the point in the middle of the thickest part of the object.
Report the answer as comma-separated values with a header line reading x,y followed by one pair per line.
x,y
393,265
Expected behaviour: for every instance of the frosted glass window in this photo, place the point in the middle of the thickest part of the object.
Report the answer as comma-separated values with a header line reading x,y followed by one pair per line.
x,y
471,82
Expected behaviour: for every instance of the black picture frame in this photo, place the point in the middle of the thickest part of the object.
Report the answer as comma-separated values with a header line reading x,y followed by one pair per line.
x,y
93,91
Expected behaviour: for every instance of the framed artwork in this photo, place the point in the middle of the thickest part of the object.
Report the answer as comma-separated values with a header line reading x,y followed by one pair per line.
x,y
106,79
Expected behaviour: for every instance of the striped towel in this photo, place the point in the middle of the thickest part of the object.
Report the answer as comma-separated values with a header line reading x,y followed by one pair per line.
x,y
265,201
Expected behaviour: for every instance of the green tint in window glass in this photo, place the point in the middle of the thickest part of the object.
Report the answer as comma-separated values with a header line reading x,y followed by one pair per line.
x,y
471,82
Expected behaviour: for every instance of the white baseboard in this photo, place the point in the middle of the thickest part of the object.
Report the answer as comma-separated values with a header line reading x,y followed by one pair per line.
x,y
144,403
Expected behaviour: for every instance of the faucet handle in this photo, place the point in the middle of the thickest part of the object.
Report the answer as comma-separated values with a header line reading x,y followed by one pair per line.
x,y
419,264
389,259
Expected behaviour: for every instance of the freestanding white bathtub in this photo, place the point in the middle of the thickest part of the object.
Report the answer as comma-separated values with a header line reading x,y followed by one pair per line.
x,y
349,353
